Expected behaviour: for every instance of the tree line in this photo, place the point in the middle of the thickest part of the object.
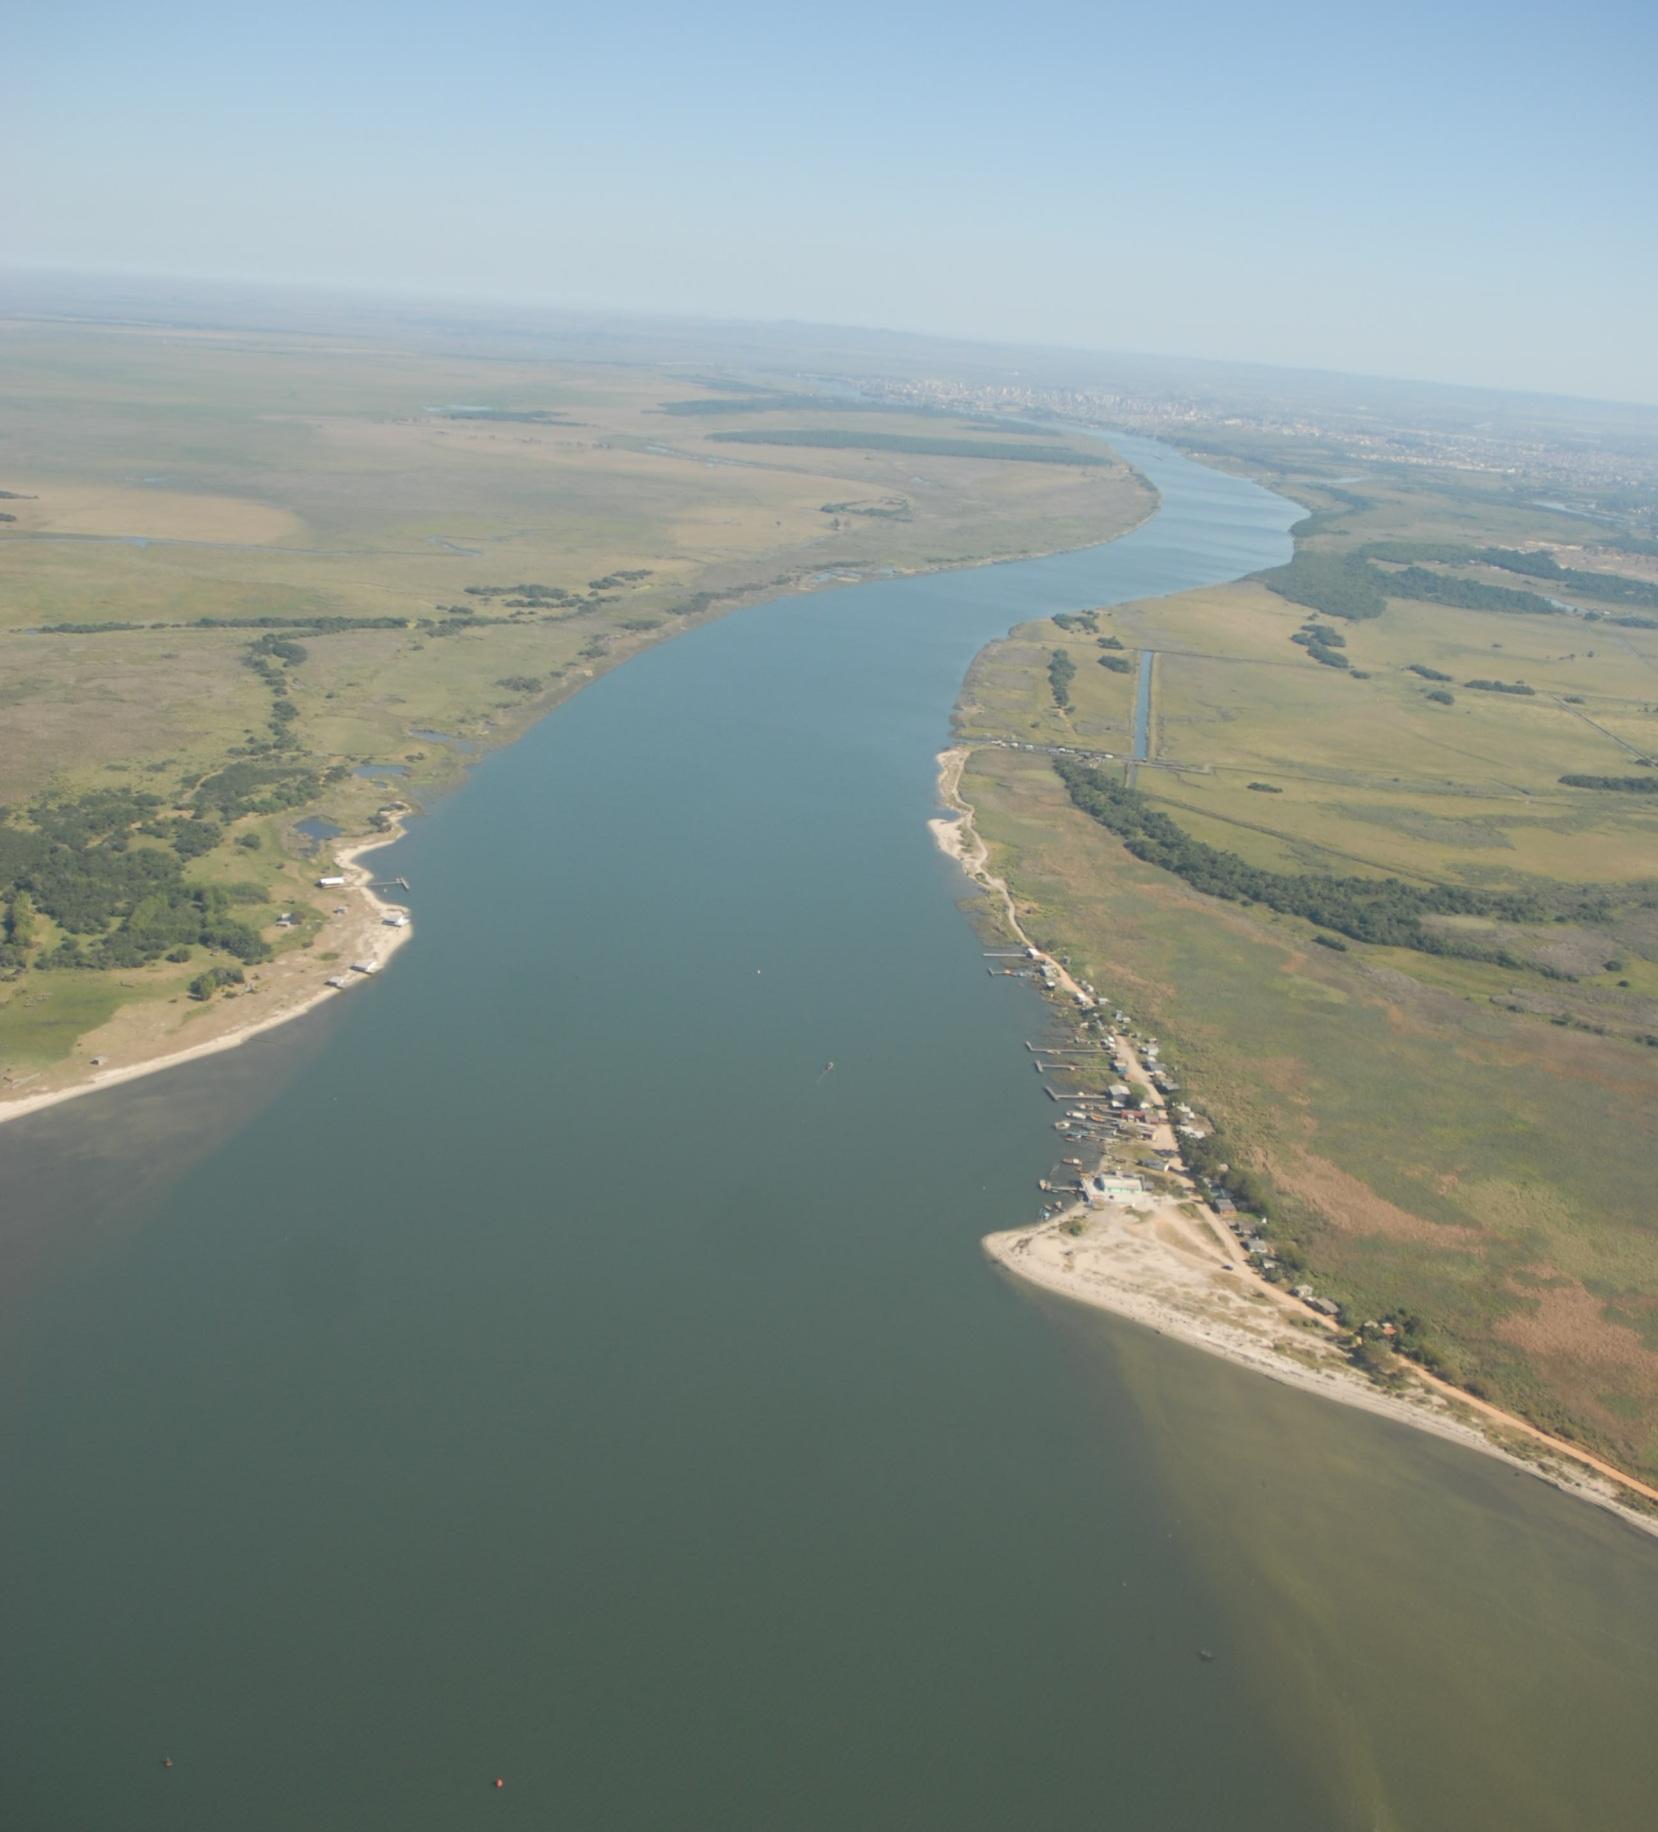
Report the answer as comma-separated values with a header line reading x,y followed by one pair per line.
x,y
1061,672
1350,586
1385,911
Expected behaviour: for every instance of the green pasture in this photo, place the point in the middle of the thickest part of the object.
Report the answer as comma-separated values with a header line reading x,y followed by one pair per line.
x,y
1431,1149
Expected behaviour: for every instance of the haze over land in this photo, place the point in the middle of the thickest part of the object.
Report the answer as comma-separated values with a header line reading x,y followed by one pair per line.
x,y
1461,196
781,1041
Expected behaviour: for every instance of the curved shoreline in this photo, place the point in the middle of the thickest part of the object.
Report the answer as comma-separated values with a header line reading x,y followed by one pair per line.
x,y
1166,1265
386,941
378,943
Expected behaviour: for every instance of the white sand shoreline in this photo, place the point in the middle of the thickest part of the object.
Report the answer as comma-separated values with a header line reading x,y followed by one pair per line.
x,y
380,947
375,941
1169,1265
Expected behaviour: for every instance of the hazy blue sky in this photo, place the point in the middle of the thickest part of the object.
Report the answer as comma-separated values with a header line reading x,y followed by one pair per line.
x,y
1467,192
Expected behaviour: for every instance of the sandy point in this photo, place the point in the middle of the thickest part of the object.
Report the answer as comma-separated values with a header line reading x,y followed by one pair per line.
x,y
284,989
1170,1265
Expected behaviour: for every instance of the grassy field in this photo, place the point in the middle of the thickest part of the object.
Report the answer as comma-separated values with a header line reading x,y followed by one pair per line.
x,y
157,478
1463,1140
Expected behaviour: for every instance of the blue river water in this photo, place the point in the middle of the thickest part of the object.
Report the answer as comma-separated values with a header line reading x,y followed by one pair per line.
x,y
540,1366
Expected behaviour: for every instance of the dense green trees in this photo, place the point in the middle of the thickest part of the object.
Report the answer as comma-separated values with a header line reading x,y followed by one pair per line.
x,y
1323,644
204,985
1381,910
1348,584
280,648
1466,594
1612,586
1341,585
1625,785
20,919
1528,563
88,864
1061,672
257,788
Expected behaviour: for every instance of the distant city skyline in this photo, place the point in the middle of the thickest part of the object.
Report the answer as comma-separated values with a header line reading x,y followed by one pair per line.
x,y
1456,199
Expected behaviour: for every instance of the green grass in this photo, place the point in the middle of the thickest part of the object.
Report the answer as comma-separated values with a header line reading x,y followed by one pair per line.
x,y
1370,770
1462,1140
44,1016
249,475
1430,1149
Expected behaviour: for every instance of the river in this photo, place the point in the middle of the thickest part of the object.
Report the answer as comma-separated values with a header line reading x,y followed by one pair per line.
x,y
541,1365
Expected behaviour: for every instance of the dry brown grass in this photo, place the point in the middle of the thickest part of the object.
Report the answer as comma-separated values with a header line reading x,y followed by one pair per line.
x,y
1432,1145
1352,1207
157,514
1564,1323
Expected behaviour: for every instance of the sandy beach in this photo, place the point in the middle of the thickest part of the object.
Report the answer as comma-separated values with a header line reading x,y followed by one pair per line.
x,y
278,991
1170,1264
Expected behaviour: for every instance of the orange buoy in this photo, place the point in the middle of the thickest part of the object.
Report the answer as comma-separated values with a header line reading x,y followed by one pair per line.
x,y
166,1761
499,1781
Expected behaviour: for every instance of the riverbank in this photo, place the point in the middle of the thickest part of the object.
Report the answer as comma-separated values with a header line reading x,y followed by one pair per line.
x,y
357,934
450,734
1170,1265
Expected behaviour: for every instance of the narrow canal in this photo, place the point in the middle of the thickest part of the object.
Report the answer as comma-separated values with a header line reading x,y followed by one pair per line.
x,y
1142,707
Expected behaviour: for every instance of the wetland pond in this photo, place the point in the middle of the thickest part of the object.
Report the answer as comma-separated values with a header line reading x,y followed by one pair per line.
x,y
537,1365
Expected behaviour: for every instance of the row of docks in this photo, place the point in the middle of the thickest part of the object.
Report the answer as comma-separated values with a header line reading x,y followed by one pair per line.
x,y
1090,1119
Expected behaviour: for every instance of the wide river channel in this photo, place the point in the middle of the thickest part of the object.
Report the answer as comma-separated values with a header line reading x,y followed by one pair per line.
x,y
538,1366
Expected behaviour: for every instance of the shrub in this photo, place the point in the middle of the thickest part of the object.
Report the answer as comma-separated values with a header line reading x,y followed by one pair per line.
x,y
204,985
1061,672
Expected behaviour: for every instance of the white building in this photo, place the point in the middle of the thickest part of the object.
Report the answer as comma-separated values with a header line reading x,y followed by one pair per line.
x,y
1115,1189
